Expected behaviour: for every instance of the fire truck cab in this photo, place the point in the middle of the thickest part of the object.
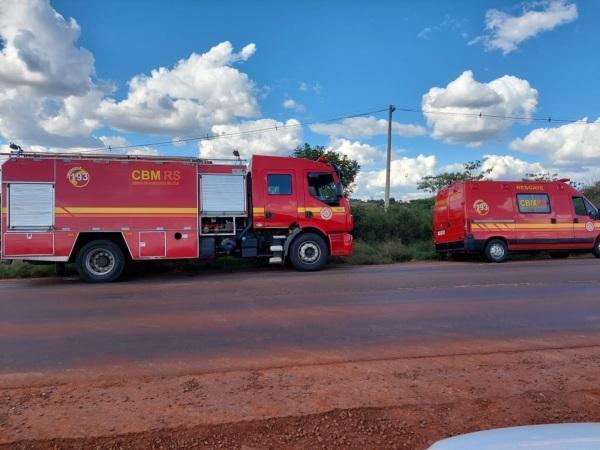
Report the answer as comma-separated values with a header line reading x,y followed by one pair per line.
x,y
495,218
100,211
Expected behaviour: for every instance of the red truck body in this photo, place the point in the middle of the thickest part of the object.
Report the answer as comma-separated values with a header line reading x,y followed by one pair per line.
x,y
170,208
497,217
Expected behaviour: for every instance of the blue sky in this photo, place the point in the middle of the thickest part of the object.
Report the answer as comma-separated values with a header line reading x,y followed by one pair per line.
x,y
309,61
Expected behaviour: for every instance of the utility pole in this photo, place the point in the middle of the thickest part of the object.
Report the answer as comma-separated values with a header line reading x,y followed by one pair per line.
x,y
386,202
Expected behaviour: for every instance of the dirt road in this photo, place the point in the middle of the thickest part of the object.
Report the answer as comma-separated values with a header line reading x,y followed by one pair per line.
x,y
382,356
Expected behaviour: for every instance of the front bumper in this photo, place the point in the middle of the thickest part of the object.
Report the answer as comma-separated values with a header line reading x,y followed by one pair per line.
x,y
340,244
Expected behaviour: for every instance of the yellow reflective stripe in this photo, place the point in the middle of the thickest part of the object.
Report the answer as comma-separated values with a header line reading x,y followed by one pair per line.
x,y
258,210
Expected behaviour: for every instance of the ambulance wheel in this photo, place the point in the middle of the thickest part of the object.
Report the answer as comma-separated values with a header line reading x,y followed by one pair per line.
x,y
100,261
308,252
596,250
496,251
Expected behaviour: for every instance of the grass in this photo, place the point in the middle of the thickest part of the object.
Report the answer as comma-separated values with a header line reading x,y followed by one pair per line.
x,y
20,269
391,251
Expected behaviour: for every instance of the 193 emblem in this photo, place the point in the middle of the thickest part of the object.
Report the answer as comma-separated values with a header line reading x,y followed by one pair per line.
x,y
481,207
78,177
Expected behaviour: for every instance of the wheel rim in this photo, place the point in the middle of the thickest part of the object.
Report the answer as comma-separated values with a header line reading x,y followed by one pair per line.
x,y
309,252
497,251
100,261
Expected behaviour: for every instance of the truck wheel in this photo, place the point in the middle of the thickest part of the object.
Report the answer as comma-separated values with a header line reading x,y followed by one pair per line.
x,y
100,261
496,251
308,252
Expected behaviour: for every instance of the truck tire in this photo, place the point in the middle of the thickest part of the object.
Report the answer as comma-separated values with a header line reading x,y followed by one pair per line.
x,y
100,261
496,251
308,252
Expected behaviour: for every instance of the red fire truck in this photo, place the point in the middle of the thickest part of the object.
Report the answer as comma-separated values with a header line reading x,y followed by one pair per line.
x,y
498,217
100,211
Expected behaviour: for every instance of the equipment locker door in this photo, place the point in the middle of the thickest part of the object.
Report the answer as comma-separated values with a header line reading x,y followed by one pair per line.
x,y
153,244
281,203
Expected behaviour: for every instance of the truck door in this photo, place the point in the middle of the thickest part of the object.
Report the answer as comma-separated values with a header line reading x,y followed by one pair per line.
x,y
455,226
281,204
584,225
321,202
542,221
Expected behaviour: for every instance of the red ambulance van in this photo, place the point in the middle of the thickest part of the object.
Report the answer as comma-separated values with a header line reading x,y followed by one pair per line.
x,y
499,217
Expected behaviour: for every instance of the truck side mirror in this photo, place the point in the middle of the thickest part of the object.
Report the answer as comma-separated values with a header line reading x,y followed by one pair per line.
x,y
339,190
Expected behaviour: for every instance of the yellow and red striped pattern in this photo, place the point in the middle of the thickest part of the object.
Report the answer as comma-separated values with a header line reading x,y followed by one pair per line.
x,y
512,226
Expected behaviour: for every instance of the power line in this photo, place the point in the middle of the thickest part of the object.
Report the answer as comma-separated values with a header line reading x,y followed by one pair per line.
x,y
482,115
208,137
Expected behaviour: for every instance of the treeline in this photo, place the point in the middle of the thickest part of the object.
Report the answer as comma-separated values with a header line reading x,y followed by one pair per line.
x,y
402,233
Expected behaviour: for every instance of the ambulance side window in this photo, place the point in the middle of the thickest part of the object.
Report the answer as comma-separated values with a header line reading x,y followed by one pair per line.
x,y
583,207
533,203
579,206
591,209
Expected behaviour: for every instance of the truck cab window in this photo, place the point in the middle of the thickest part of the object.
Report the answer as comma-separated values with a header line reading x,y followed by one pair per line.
x,y
279,184
579,206
323,187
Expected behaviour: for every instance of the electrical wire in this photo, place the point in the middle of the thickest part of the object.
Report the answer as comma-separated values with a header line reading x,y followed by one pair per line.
x,y
209,137
239,133
482,115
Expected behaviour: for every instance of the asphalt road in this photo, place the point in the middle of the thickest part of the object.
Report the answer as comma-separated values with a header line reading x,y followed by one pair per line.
x,y
213,322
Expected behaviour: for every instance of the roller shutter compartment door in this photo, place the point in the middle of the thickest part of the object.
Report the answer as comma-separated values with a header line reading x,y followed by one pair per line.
x,y
223,195
30,206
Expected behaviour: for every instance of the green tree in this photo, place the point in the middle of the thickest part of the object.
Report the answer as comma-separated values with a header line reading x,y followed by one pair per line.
x,y
541,176
472,170
348,167
592,193
549,176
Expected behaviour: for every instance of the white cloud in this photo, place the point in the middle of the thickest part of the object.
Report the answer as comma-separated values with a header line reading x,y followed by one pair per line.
x,y
47,94
444,108
363,153
505,32
574,143
39,50
290,103
115,142
449,23
507,167
251,140
365,127
316,88
199,92
405,173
